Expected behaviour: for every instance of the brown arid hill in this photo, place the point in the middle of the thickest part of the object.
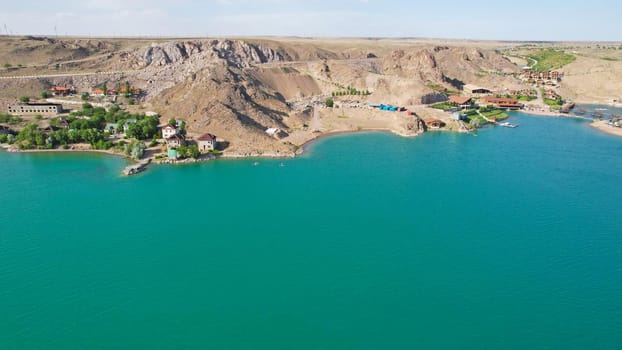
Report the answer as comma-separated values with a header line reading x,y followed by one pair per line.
x,y
237,88
594,77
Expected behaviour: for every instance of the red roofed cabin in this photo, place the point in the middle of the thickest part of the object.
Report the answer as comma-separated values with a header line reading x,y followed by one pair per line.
x,y
463,101
61,91
100,92
169,130
131,91
503,102
207,143
175,141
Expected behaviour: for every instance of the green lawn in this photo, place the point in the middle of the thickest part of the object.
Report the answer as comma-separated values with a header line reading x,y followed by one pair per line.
x,y
443,105
549,59
499,114
554,103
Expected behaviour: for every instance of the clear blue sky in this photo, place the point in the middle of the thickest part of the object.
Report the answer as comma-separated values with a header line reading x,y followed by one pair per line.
x,y
512,20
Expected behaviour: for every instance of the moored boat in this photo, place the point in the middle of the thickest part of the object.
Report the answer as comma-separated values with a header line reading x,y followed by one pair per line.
x,y
508,125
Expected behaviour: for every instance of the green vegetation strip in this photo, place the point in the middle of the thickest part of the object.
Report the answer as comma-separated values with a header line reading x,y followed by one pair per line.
x,y
549,59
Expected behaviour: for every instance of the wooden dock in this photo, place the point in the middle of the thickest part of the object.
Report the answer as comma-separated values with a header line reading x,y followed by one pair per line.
x,y
136,168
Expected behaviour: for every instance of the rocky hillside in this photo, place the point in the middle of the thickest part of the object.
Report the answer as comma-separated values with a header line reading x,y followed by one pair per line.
x,y
238,88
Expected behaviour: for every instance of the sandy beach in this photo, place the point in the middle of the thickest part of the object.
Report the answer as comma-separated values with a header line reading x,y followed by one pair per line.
x,y
603,126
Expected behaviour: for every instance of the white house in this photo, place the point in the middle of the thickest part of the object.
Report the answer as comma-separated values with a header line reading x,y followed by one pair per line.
x,y
169,130
175,141
207,143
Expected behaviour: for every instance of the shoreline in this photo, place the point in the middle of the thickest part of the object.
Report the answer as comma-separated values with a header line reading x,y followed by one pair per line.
x,y
601,125
304,147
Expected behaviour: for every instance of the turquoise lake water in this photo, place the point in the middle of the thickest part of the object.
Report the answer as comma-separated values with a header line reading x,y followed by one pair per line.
x,y
508,240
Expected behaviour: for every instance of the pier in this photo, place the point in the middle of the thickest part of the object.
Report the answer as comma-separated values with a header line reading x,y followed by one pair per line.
x,y
136,168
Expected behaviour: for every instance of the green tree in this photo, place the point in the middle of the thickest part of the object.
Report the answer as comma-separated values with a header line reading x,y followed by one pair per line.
x,y
330,102
44,94
135,149
105,89
193,151
24,99
85,96
7,66
182,152
172,121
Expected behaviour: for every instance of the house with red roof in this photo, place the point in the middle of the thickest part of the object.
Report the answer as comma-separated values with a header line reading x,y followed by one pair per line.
x,y
503,102
175,141
463,102
206,143
61,90
169,130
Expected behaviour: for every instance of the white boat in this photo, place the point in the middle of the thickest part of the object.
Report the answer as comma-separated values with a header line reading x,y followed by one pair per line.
x,y
508,125
601,109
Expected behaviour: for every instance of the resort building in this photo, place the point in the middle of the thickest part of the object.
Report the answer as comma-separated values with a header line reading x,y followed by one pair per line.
x,y
475,90
541,78
207,143
463,102
175,141
35,108
169,130
502,102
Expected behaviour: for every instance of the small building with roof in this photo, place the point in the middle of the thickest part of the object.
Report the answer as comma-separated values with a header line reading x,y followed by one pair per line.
x,y
503,102
61,90
463,102
169,130
111,128
475,90
175,141
206,143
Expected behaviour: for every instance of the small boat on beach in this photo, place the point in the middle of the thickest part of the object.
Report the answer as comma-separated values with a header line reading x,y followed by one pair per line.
x,y
598,114
508,125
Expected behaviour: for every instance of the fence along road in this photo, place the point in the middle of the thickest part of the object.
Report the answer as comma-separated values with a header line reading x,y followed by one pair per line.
x,y
43,76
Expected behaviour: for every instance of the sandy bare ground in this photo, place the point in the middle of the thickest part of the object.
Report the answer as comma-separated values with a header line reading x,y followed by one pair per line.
x,y
603,126
328,121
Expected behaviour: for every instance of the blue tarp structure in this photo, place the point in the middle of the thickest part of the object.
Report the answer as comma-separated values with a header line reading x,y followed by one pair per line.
x,y
388,108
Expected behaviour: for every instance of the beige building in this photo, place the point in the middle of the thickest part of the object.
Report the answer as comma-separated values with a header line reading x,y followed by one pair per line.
x,y
169,131
175,141
35,108
207,143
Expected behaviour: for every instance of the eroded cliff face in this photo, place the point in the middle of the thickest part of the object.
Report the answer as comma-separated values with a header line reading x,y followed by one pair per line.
x,y
236,53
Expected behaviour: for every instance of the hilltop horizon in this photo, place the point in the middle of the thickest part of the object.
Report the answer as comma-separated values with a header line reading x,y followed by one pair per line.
x,y
311,38
529,21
